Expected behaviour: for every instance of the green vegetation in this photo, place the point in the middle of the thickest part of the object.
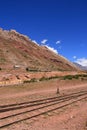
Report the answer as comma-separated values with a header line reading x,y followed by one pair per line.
x,y
43,78
2,60
48,78
70,77
67,77
29,81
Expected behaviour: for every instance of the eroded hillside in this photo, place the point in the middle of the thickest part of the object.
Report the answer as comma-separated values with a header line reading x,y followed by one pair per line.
x,y
17,50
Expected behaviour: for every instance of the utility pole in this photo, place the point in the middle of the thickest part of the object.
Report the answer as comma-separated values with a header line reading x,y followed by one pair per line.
x,y
57,92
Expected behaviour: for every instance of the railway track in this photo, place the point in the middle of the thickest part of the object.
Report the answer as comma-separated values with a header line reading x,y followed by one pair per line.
x,y
15,113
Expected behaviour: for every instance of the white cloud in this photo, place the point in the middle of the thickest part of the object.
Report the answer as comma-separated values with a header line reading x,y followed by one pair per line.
x,y
35,42
47,45
58,42
74,57
82,61
52,49
44,41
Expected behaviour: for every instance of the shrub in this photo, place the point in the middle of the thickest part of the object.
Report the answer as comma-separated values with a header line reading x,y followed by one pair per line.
x,y
48,78
29,81
76,76
68,77
43,78
82,78
27,69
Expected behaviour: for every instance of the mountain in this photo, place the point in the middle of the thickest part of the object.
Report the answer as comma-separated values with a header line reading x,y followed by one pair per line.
x,y
17,51
80,66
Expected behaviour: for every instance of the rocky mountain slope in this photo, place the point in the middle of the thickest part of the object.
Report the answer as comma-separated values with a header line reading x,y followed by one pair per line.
x,y
18,51
80,66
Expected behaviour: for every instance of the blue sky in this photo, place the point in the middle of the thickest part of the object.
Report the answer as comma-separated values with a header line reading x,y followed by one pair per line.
x,y
58,24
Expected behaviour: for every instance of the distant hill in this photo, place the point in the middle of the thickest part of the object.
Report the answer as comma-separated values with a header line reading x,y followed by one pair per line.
x,y
80,66
18,51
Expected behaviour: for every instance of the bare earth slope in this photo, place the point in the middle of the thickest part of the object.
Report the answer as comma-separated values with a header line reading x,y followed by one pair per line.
x,y
18,50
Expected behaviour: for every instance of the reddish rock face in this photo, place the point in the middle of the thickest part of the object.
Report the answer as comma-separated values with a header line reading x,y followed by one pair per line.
x,y
18,50
19,56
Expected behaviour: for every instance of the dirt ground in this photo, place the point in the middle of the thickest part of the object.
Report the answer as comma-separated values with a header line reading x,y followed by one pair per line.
x,y
73,117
